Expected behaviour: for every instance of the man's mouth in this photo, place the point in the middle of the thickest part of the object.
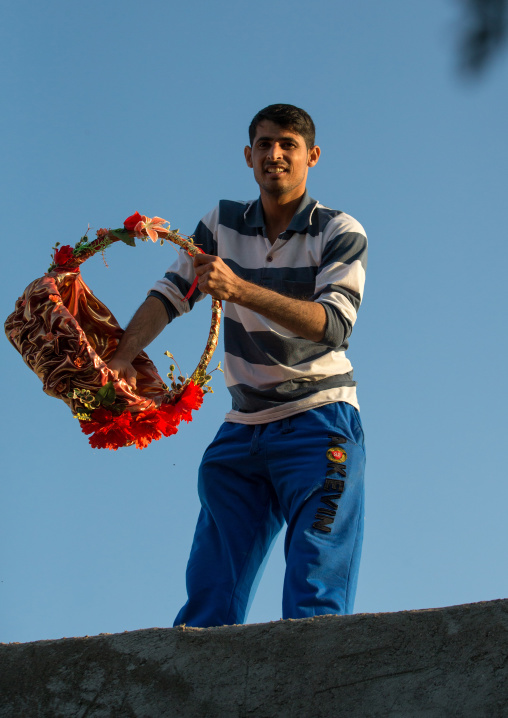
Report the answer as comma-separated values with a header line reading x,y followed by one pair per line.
x,y
275,170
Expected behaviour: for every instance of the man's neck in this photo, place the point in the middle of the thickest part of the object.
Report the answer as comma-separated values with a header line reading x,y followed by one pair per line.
x,y
278,213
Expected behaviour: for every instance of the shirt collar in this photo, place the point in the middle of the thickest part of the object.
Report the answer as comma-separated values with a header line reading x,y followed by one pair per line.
x,y
302,218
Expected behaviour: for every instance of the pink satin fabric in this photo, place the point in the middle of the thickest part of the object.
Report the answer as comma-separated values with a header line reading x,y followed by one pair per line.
x,y
67,336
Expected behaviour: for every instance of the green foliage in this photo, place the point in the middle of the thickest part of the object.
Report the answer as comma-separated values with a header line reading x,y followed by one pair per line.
x,y
124,235
83,245
106,397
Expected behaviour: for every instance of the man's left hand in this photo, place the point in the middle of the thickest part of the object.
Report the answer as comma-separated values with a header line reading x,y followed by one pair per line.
x,y
306,319
216,278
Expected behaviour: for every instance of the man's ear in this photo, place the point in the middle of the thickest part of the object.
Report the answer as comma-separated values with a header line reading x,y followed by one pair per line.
x,y
248,156
313,156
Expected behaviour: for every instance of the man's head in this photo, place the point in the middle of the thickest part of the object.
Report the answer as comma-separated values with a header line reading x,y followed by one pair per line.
x,y
281,151
289,117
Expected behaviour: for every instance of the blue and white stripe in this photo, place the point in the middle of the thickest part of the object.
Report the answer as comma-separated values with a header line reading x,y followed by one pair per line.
x,y
271,372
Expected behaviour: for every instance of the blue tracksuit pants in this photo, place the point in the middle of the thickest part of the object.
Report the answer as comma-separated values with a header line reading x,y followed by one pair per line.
x,y
306,470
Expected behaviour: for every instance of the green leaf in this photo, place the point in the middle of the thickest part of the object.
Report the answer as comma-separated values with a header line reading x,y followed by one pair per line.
x,y
124,235
106,395
117,409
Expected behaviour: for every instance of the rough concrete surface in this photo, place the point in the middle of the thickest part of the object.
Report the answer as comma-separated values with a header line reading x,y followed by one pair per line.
x,y
413,664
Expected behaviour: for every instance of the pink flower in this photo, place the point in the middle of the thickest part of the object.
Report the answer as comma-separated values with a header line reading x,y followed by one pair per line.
x,y
152,227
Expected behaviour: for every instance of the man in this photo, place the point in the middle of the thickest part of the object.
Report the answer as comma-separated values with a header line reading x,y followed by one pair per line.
x,y
290,273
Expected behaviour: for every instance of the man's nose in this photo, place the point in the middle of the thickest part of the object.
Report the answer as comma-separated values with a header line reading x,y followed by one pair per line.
x,y
275,152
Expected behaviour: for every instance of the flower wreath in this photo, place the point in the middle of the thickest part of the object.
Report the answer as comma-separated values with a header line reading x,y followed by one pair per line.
x,y
67,337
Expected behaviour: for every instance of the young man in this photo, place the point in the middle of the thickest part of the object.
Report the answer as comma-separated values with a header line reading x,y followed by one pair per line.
x,y
291,274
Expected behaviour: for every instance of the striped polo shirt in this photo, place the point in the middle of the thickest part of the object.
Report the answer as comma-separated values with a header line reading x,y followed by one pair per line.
x,y
271,372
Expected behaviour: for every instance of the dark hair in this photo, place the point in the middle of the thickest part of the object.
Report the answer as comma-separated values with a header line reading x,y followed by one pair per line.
x,y
288,116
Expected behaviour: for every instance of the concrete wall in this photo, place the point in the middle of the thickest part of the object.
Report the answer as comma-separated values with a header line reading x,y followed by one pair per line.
x,y
415,664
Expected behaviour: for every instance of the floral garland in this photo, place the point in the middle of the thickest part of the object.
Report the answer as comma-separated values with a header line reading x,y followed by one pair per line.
x,y
112,415
110,431
69,258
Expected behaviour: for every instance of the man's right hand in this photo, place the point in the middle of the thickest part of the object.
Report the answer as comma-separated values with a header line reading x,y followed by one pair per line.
x,y
123,369
147,323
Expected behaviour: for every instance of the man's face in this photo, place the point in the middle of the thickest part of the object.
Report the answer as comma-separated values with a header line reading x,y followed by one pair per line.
x,y
280,160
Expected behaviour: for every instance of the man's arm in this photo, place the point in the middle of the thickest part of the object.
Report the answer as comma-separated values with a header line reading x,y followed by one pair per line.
x,y
306,319
146,324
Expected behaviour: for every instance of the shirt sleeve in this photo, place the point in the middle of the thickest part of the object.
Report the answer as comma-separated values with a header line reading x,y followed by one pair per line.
x,y
340,279
174,286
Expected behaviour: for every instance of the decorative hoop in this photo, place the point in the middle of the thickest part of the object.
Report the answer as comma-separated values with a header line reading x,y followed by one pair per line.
x,y
67,336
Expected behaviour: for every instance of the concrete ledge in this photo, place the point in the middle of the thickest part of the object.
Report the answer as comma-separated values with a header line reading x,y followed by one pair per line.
x,y
437,662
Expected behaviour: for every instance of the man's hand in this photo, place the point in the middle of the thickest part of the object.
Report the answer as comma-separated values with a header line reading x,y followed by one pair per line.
x,y
217,279
304,318
147,323
123,369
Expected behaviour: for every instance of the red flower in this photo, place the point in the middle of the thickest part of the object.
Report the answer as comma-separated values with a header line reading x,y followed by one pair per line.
x,y
190,400
168,419
108,431
63,255
112,432
144,428
132,221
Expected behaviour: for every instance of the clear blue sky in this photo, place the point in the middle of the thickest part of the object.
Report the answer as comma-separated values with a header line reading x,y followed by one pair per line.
x,y
111,107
